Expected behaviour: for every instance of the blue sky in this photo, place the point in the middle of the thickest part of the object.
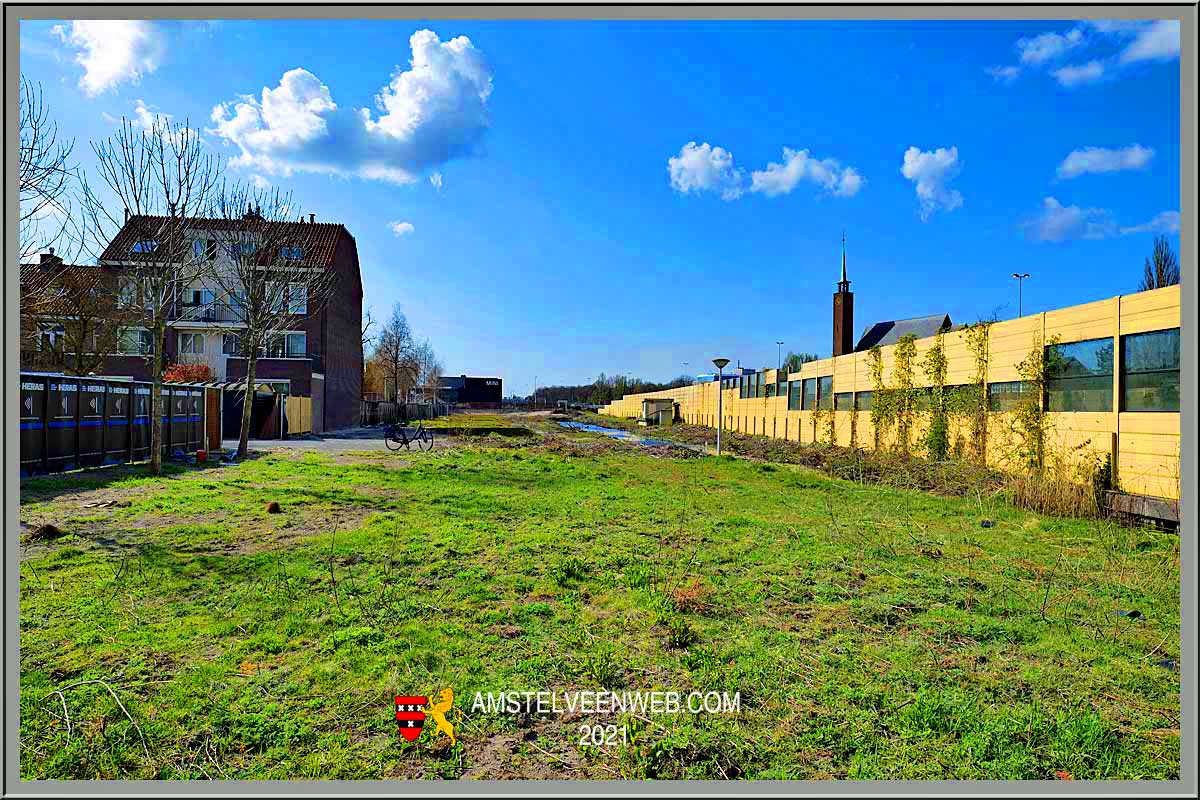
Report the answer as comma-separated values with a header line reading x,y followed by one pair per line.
x,y
607,200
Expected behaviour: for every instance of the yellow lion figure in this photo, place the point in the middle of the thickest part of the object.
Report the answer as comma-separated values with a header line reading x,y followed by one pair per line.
x,y
438,711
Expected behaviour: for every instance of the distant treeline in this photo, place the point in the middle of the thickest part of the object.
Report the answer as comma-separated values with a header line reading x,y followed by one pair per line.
x,y
607,388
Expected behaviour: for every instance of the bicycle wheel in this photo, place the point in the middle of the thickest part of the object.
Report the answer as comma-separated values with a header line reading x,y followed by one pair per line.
x,y
390,443
425,440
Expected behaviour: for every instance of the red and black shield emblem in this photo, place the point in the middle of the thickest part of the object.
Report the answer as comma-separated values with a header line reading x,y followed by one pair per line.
x,y
410,715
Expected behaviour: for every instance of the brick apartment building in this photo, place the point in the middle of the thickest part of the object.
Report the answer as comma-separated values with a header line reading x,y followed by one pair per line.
x,y
319,356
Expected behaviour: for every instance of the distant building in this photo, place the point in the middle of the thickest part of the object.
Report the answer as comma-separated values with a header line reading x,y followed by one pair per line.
x,y
471,392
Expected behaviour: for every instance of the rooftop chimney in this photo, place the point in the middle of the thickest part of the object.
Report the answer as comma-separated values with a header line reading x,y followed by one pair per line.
x,y
312,217
843,312
48,259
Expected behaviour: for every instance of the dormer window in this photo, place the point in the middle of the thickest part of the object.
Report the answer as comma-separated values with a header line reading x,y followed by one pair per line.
x,y
292,252
145,246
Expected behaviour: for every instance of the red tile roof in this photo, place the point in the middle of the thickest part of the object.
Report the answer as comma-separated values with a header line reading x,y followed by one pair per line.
x,y
319,239
37,280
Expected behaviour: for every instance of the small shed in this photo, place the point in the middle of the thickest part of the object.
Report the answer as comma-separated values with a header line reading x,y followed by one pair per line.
x,y
658,411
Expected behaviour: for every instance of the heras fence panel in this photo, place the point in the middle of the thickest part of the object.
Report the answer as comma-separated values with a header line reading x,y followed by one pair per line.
x,y
33,424
116,424
174,421
91,422
62,401
195,425
139,431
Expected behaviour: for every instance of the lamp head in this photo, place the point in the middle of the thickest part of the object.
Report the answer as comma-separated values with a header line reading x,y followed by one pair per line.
x,y
720,363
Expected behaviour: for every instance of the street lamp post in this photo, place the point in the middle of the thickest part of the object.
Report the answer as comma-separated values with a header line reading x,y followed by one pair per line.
x,y
720,363
1020,276
778,358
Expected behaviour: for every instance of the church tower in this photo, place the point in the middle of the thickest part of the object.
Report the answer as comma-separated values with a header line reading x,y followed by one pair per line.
x,y
843,311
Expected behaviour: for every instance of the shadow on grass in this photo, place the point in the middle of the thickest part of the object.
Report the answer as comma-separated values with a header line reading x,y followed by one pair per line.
x,y
40,488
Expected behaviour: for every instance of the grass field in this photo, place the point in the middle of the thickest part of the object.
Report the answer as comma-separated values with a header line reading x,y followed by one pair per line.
x,y
179,630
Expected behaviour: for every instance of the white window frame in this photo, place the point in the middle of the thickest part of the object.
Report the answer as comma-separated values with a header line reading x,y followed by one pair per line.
x,y
192,338
295,307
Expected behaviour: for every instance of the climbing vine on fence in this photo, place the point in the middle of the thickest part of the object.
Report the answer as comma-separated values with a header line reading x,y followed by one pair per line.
x,y
937,434
973,399
1029,423
881,411
905,396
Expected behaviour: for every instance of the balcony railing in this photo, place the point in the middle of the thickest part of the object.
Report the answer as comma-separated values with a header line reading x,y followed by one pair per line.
x,y
207,312
315,360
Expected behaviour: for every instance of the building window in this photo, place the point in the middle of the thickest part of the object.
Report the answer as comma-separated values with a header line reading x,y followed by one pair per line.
x,y
127,293
863,401
231,344
843,401
760,387
825,392
287,345
191,343
781,388
809,401
145,246
50,338
291,252
297,298
1079,376
1150,371
794,388
1006,395
770,390
135,341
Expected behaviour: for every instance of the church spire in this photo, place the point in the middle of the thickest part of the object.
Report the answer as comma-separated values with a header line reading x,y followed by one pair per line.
x,y
844,283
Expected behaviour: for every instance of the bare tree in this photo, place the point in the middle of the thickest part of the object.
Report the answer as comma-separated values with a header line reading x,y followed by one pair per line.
x,y
1162,267
429,370
46,177
397,355
368,339
162,179
264,263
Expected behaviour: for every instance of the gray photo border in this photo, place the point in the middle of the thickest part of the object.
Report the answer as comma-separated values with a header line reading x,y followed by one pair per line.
x,y
1186,13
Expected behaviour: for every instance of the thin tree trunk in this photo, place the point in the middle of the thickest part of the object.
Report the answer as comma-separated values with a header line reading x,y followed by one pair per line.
x,y
156,406
247,405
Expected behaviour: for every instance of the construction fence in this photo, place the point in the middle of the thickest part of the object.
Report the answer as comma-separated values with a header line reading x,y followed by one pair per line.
x,y
384,413
69,423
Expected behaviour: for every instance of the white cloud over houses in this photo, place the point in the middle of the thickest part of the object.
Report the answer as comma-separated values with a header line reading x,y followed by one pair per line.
x,y
931,171
401,228
1004,74
1102,159
798,166
1048,46
1075,74
431,113
1157,41
1112,45
1164,222
112,52
1059,223
701,168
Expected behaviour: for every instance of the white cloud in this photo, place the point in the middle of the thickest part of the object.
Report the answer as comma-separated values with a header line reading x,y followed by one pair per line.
x,y
1058,223
1048,46
705,168
143,116
436,180
1073,75
429,114
798,166
1102,159
112,52
401,228
932,171
260,182
1157,41
1166,222
1003,74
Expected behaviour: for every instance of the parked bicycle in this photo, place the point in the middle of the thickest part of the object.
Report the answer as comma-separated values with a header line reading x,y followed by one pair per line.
x,y
397,436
